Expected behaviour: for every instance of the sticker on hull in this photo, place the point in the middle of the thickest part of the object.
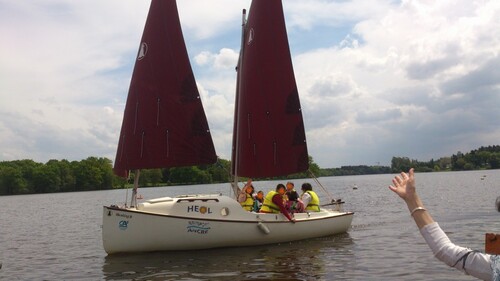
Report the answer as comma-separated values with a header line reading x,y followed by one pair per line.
x,y
198,227
123,225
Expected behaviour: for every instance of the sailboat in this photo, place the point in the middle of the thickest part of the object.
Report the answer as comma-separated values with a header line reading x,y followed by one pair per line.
x,y
164,125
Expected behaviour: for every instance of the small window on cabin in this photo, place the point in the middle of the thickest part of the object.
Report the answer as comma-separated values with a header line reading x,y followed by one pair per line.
x,y
224,211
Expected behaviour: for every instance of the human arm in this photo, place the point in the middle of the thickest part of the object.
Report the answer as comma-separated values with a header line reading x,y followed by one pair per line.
x,y
466,260
471,262
404,186
306,199
242,195
278,200
300,206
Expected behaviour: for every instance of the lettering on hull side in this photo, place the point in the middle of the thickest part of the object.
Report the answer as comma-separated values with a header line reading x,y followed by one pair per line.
x,y
199,209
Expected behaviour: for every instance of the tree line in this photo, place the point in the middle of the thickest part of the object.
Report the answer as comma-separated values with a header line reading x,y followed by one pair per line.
x,y
478,159
28,176
93,173
355,170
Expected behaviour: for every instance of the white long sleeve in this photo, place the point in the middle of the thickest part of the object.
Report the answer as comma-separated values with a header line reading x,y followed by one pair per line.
x,y
476,264
306,198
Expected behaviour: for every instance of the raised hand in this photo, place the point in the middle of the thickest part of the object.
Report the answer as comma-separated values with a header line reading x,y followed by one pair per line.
x,y
404,185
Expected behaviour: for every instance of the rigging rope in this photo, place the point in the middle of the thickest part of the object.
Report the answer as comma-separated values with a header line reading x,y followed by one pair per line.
x,y
318,183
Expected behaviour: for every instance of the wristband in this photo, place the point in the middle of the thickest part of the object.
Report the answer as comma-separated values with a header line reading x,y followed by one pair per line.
x,y
417,209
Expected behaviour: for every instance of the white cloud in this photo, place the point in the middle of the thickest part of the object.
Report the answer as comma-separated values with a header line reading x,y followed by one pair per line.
x,y
206,19
203,58
225,59
421,68
402,78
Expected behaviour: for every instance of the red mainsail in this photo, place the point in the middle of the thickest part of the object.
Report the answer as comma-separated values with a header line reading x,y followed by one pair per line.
x,y
268,138
164,124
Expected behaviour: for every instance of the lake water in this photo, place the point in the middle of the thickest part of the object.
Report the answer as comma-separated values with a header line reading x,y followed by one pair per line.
x,y
58,236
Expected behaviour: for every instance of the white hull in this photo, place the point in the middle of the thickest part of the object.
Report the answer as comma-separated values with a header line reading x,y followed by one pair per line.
x,y
208,221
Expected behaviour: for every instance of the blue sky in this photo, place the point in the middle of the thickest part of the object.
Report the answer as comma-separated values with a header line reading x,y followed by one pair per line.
x,y
376,78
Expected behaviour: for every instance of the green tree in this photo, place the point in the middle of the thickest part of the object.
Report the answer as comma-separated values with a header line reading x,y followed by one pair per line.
x,y
444,163
12,181
313,167
46,179
25,168
399,164
189,175
150,177
93,173
460,164
220,171
66,177
494,160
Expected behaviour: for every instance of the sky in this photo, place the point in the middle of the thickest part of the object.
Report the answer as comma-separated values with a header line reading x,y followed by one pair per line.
x,y
376,78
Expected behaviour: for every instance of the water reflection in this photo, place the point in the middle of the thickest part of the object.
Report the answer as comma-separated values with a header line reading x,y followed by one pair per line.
x,y
301,260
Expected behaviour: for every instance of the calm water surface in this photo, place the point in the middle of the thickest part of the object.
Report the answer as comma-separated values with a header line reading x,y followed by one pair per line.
x,y
58,236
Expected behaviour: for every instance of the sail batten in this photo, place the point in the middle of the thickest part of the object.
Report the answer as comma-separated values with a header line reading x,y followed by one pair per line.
x,y
164,121
270,141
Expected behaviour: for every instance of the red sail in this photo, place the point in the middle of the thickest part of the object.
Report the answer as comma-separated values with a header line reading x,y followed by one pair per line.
x,y
164,124
269,138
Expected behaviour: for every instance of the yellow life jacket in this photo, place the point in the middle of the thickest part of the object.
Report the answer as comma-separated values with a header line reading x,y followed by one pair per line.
x,y
268,206
314,203
247,204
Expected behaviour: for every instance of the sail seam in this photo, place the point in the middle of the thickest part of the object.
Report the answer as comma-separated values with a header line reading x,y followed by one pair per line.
x,y
275,152
158,112
249,117
142,144
135,118
168,143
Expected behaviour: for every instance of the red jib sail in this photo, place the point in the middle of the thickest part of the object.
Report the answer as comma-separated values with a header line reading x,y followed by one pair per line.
x,y
164,124
268,138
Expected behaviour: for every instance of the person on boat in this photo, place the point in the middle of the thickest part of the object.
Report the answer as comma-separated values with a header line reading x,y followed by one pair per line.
x,y
474,263
289,188
294,203
258,200
310,198
274,202
245,198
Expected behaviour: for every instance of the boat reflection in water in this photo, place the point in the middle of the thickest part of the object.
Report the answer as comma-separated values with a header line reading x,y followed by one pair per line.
x,y
301,260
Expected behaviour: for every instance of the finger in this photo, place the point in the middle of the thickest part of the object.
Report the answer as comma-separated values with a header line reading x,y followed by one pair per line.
x,y
398,179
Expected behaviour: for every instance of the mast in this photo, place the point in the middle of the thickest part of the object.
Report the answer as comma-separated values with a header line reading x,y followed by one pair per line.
x,y
133,200
239,68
